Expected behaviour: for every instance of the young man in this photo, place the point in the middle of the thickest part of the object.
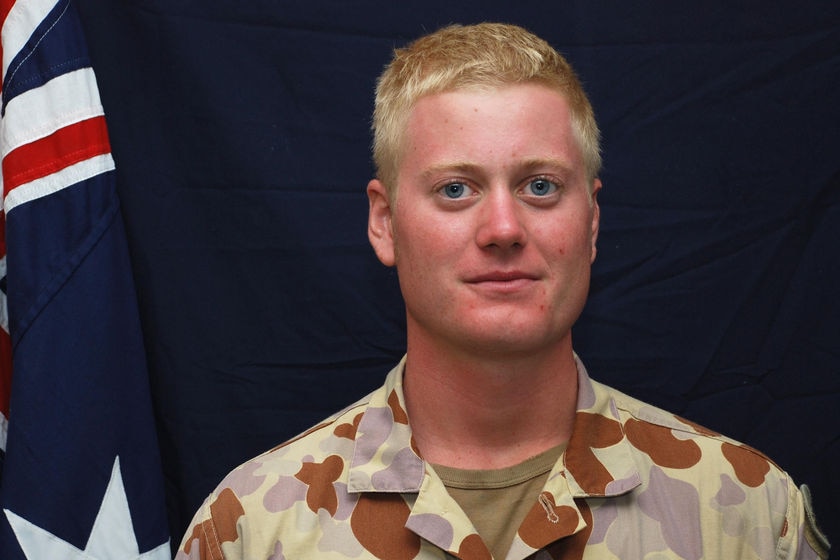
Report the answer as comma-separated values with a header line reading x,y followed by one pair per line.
x,y
489,439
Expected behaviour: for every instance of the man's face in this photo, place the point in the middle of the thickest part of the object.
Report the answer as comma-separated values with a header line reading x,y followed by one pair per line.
x,y
493,226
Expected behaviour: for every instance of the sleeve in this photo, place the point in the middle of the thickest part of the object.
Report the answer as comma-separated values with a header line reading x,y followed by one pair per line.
x,y
217,522
801,538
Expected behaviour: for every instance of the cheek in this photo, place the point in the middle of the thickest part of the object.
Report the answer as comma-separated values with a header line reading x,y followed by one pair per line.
x,y
419,240
565,246
578,239
413,255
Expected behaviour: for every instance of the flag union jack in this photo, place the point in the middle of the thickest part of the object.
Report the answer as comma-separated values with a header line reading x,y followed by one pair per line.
x,y
81,473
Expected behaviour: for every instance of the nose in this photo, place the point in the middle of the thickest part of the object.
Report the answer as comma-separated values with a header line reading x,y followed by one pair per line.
x,y
500,221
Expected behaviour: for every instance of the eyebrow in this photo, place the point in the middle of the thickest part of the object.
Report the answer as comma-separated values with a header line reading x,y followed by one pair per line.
x,y
552,163
452,167
527,166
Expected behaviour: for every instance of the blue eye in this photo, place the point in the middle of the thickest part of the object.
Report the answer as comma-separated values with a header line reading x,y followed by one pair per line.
x,y
541,187
455,190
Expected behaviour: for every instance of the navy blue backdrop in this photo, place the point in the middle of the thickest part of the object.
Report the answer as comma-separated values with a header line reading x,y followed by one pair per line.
x,y
240,132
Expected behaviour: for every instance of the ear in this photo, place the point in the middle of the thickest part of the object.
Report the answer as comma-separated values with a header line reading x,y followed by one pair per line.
x,y
380,225
596,217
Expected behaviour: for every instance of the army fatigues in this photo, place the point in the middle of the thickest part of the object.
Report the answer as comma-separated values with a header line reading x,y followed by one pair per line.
x,y
634,482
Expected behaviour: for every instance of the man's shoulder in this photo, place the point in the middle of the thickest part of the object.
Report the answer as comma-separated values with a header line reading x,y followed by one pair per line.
x,y
324,450
332,436
296,478
673,441
696,472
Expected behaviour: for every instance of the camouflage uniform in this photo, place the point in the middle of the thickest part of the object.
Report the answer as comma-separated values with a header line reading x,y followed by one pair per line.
x,y
634,482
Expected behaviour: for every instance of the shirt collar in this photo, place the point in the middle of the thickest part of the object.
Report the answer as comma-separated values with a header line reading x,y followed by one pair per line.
x,y
598,460
384,459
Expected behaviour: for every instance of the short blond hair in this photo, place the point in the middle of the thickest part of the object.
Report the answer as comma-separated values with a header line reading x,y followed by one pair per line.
x,y
486,55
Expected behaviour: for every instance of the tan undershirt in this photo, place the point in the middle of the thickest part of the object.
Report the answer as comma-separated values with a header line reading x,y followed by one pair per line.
x,y
497,501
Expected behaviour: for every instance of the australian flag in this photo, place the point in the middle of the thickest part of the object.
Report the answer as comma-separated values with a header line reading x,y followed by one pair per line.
x,y
81,474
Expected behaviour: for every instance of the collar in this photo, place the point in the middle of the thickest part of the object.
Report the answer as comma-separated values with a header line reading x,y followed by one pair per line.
x,y
598,460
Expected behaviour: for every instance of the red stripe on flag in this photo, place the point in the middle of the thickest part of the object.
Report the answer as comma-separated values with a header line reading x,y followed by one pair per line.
x,y
64,147
5,7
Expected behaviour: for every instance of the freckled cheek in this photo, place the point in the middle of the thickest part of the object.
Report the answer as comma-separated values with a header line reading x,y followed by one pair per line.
x,y
544,305
569,244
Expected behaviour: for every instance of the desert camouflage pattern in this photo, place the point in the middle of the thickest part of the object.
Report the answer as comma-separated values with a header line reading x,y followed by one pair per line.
x,y
635,482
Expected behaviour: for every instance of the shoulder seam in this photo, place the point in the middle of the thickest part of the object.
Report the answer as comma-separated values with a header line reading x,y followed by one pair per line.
x,y
212,539
330,421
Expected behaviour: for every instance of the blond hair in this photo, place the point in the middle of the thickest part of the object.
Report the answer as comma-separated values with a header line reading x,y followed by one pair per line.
x,y
486,55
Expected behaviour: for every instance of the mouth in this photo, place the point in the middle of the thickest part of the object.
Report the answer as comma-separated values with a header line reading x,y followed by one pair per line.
x,y
504,281
501,276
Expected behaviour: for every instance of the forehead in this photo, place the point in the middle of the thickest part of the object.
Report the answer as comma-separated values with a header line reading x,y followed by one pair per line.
x,y
522,122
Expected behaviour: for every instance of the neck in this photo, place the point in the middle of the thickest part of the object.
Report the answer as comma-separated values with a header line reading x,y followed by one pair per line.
x,y
484,413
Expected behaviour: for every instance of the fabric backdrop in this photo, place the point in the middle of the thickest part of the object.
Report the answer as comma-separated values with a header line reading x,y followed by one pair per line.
x,y
240,132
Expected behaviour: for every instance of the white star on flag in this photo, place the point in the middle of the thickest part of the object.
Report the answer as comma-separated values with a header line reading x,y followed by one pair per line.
x,y
112,536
